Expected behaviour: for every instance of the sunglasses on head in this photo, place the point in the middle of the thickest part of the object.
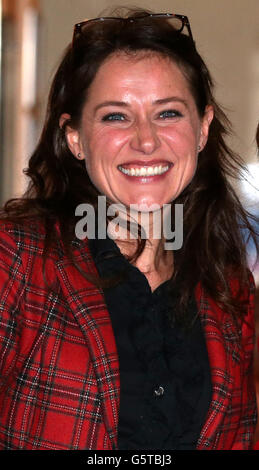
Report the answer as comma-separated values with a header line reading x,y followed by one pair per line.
x,y
177,21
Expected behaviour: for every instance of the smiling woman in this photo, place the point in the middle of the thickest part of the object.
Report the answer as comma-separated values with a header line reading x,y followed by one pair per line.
x,y
149,125
122,343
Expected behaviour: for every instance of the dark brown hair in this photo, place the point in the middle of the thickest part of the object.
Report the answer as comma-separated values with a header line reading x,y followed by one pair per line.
x,y
214,248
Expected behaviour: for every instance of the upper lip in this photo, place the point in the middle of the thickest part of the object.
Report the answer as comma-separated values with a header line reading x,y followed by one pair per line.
x,y
145,163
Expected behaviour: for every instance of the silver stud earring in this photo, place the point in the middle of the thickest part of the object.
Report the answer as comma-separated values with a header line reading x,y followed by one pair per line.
x,y
199,148
79,156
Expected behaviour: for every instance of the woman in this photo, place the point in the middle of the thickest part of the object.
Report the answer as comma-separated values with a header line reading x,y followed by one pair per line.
x,y
124,343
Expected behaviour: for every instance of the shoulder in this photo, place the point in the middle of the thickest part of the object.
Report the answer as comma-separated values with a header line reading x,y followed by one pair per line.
x,y
232,325
246,296
245,326
28,240
26,229
25,241
248,327
21,249
28,235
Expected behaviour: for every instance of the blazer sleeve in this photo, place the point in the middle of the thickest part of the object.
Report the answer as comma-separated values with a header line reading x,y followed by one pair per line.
x,y
12,288
244,436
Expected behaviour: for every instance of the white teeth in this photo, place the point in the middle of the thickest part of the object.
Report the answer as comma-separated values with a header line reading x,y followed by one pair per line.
x,y
144,171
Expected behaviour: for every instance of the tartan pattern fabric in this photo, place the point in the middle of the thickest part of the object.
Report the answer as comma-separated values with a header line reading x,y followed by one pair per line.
x,y
59,382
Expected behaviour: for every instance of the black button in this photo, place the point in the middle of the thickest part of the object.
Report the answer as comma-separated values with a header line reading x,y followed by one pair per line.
x,y
159,392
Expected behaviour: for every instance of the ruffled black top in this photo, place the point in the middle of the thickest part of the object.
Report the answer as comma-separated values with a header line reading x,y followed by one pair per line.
x,y
165,381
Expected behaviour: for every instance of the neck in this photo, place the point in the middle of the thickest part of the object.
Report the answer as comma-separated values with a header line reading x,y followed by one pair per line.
x,y
154,259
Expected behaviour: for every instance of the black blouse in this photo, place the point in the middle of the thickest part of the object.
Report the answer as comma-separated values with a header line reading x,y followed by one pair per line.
x,y
165,382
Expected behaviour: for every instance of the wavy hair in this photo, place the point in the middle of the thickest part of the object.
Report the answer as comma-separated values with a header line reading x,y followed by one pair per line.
x,y
214,248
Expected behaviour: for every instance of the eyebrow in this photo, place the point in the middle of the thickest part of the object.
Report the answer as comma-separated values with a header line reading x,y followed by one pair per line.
x,y
170,99
156,102
110,103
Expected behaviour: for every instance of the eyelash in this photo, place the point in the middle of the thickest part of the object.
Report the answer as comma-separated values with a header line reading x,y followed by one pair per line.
x,y
108,117
171,111
114,116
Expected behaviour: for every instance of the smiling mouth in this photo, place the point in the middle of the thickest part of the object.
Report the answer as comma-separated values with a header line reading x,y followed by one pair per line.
x,y
145,170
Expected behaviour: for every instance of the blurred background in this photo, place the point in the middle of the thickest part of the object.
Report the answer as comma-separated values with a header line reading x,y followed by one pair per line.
x,y
34,33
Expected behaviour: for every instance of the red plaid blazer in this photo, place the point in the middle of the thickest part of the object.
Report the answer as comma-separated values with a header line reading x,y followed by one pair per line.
x,y
59,367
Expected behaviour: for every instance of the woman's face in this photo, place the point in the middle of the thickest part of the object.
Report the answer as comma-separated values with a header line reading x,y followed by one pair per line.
x,y
140,130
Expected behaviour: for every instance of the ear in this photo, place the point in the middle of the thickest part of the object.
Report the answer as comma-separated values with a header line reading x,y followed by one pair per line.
x,y
72,136
205,126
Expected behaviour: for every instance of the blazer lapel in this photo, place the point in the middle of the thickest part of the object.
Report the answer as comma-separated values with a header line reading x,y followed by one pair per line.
x,y
212,319
88,305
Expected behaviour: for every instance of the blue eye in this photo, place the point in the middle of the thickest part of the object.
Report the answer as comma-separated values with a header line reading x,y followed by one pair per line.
x,y
113,117
170,113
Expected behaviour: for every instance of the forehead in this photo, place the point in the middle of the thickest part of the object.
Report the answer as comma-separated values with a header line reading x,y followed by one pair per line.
x,y
144,72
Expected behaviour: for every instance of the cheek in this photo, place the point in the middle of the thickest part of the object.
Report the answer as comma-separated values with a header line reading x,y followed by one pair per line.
x,y
186,169
102,150
182,138
106,142
184,143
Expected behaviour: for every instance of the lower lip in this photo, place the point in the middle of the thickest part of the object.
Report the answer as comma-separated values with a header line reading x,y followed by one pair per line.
x,y
148,178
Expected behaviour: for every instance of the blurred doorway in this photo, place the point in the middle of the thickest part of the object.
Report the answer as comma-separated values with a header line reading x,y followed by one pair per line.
x,y
19,103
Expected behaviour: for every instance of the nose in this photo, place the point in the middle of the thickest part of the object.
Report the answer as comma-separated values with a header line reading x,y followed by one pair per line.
x,y
145,138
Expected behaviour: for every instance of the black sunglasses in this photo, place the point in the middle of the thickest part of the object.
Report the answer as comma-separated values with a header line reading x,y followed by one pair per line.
x,y
177,21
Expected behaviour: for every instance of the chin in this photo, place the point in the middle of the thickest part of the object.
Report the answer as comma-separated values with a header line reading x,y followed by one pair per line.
x,y
141,206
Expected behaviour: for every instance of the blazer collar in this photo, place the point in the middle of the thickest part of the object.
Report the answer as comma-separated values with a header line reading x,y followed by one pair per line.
x,y
213,319
88,305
